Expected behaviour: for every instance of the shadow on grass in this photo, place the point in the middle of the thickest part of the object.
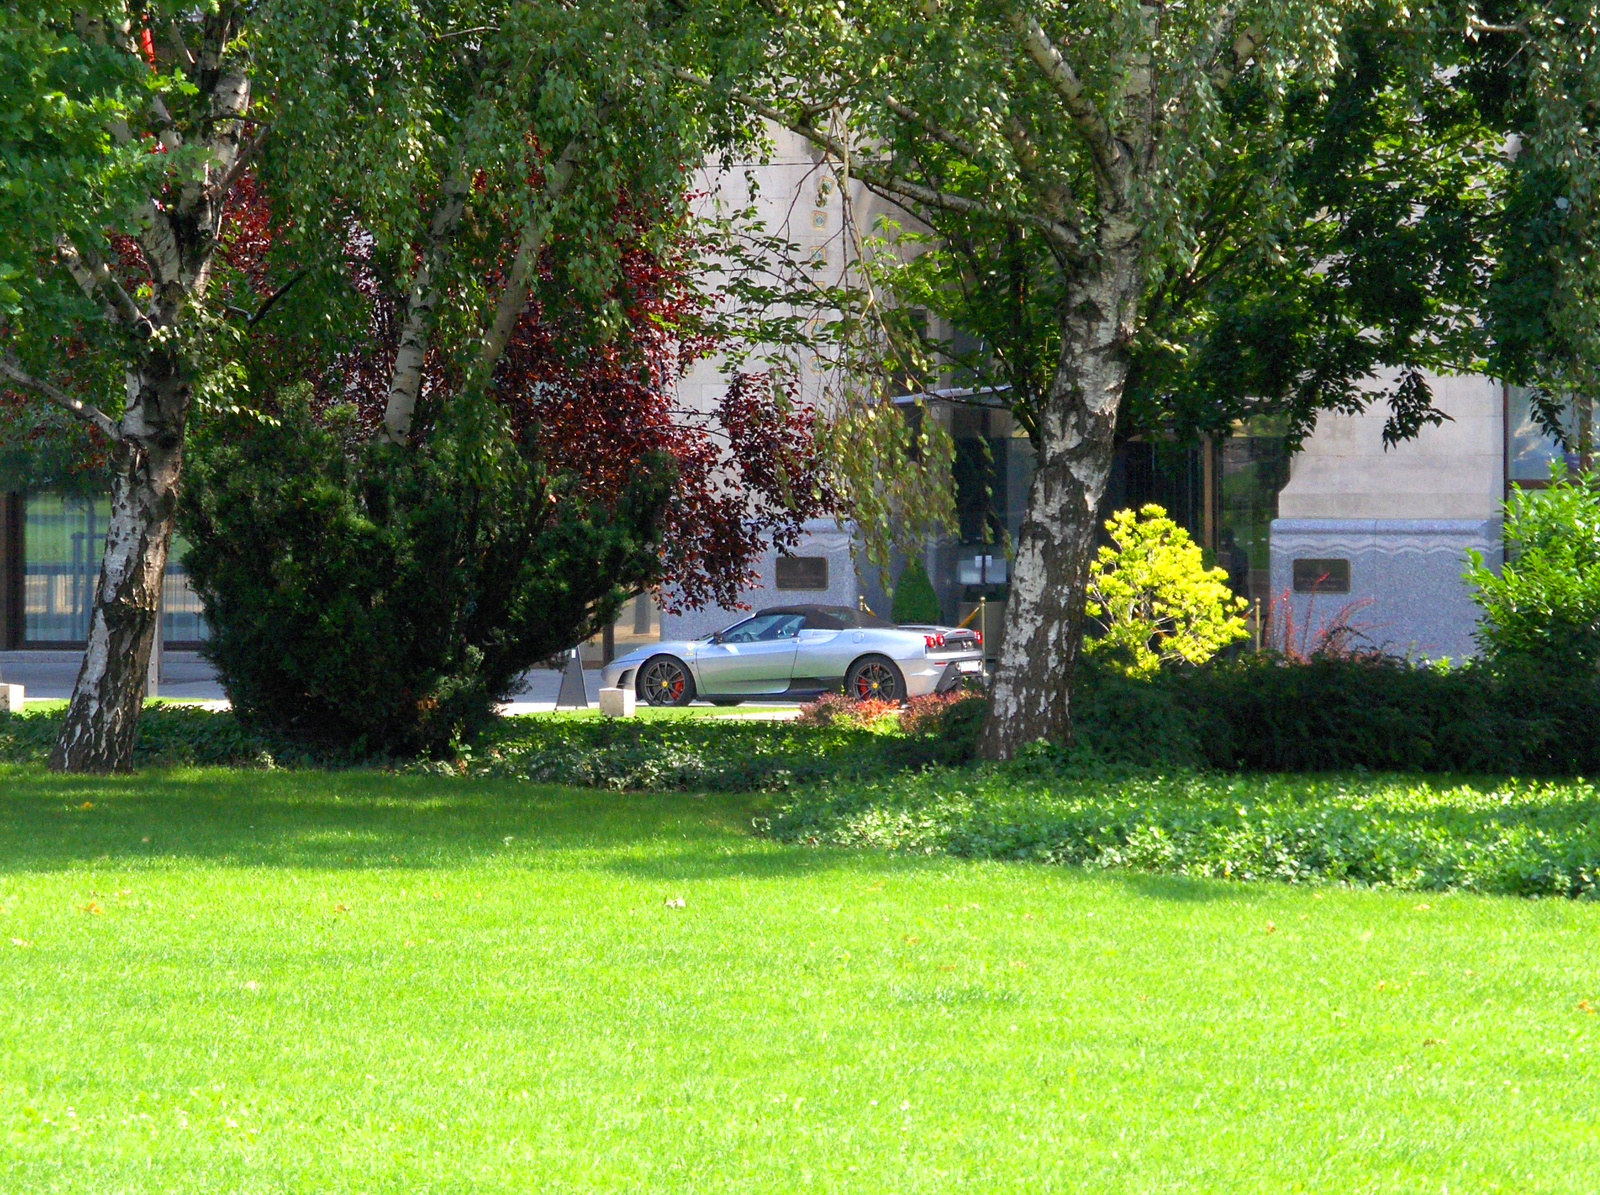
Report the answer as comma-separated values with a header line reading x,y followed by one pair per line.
x,y
359,819
1184,889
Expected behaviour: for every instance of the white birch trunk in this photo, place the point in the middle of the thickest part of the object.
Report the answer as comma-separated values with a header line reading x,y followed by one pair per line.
x,y
1044,616
179,242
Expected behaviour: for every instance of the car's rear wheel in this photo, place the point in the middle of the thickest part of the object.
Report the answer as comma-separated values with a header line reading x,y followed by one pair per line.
x,y
875,678
665,680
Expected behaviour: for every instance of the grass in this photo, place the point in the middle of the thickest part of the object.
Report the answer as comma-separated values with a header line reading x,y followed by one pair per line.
x,y
355,982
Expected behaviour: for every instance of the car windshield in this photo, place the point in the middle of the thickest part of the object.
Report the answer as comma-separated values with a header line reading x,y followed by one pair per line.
x,y
763,627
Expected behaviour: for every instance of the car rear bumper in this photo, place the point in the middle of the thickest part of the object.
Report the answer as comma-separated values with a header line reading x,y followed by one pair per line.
x,y
941,674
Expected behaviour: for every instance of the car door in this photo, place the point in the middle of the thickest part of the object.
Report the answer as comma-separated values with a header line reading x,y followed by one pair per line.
x,y
754,656
824,652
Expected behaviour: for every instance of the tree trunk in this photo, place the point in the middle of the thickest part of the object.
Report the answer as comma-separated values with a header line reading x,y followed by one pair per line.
x,y
1044,616
405,377
102,719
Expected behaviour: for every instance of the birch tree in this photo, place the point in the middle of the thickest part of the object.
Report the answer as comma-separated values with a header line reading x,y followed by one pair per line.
x,y
1093,125
1132,186
125,129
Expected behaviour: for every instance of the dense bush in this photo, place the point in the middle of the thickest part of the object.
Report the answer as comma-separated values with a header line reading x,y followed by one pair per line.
x,y
1519,837
381,598
1544,605
914,598
708,754
1262,713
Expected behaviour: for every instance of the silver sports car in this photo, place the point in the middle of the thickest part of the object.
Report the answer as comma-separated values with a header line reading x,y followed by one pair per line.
x,y
802,651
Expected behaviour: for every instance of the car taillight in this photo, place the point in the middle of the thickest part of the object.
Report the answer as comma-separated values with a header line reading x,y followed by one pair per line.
x,y
933,641
980,637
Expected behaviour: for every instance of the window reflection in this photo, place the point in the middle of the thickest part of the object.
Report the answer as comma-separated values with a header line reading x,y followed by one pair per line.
x,y
64,537
1530,449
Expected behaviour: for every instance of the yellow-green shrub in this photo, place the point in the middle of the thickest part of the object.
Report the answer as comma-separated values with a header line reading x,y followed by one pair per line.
x,y
1153,599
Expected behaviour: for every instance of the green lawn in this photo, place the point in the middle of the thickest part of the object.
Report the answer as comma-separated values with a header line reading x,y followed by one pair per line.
x,y
261,982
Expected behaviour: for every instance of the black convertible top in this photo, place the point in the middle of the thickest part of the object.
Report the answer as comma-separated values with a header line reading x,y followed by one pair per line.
x,y
833,618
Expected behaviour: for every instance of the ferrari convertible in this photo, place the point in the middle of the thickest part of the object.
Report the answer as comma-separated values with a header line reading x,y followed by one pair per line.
x,y
802,651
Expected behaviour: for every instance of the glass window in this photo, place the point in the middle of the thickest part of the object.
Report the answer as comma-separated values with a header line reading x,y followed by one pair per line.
x,y
764,628
1255,467
63,540
821,620
1530,449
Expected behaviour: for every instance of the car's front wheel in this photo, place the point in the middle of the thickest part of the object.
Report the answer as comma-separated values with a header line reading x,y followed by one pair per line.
x,y
665,680
875,678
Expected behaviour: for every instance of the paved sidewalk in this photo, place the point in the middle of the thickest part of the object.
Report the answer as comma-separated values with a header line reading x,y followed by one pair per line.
x,y
185,676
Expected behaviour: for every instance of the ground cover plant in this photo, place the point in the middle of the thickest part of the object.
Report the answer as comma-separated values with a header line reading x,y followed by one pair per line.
x,y
1528,838
303,981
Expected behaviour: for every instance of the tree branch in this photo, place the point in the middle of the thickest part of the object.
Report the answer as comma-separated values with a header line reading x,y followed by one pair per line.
x,y
892,187
1060,203
91,414
1476,26
891,184
241,162
1065,83
98,284
273,298
514,297
1247,44
954,140
175,37
405,375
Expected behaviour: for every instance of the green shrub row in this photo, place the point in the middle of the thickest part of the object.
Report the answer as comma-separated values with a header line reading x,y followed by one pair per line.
x,y
702,754
169,736
1259,713
1528,838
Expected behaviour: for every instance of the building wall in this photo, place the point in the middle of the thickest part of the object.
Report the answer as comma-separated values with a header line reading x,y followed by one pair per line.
x,y
1403,518
1454,471
822,538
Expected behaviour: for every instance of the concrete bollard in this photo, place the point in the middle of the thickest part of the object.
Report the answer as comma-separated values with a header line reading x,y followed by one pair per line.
x,y
618,703
11,698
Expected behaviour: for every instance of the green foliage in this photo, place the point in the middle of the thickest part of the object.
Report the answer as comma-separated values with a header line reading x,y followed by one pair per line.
x,y
1262,713
894,472
1516,837
1325,214
169,736
685,754
1536,64
914,598
1545,603
1153,599
383,597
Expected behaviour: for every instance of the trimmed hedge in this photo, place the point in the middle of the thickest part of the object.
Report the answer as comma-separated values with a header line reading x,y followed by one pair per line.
x,y
702,754
1260,713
